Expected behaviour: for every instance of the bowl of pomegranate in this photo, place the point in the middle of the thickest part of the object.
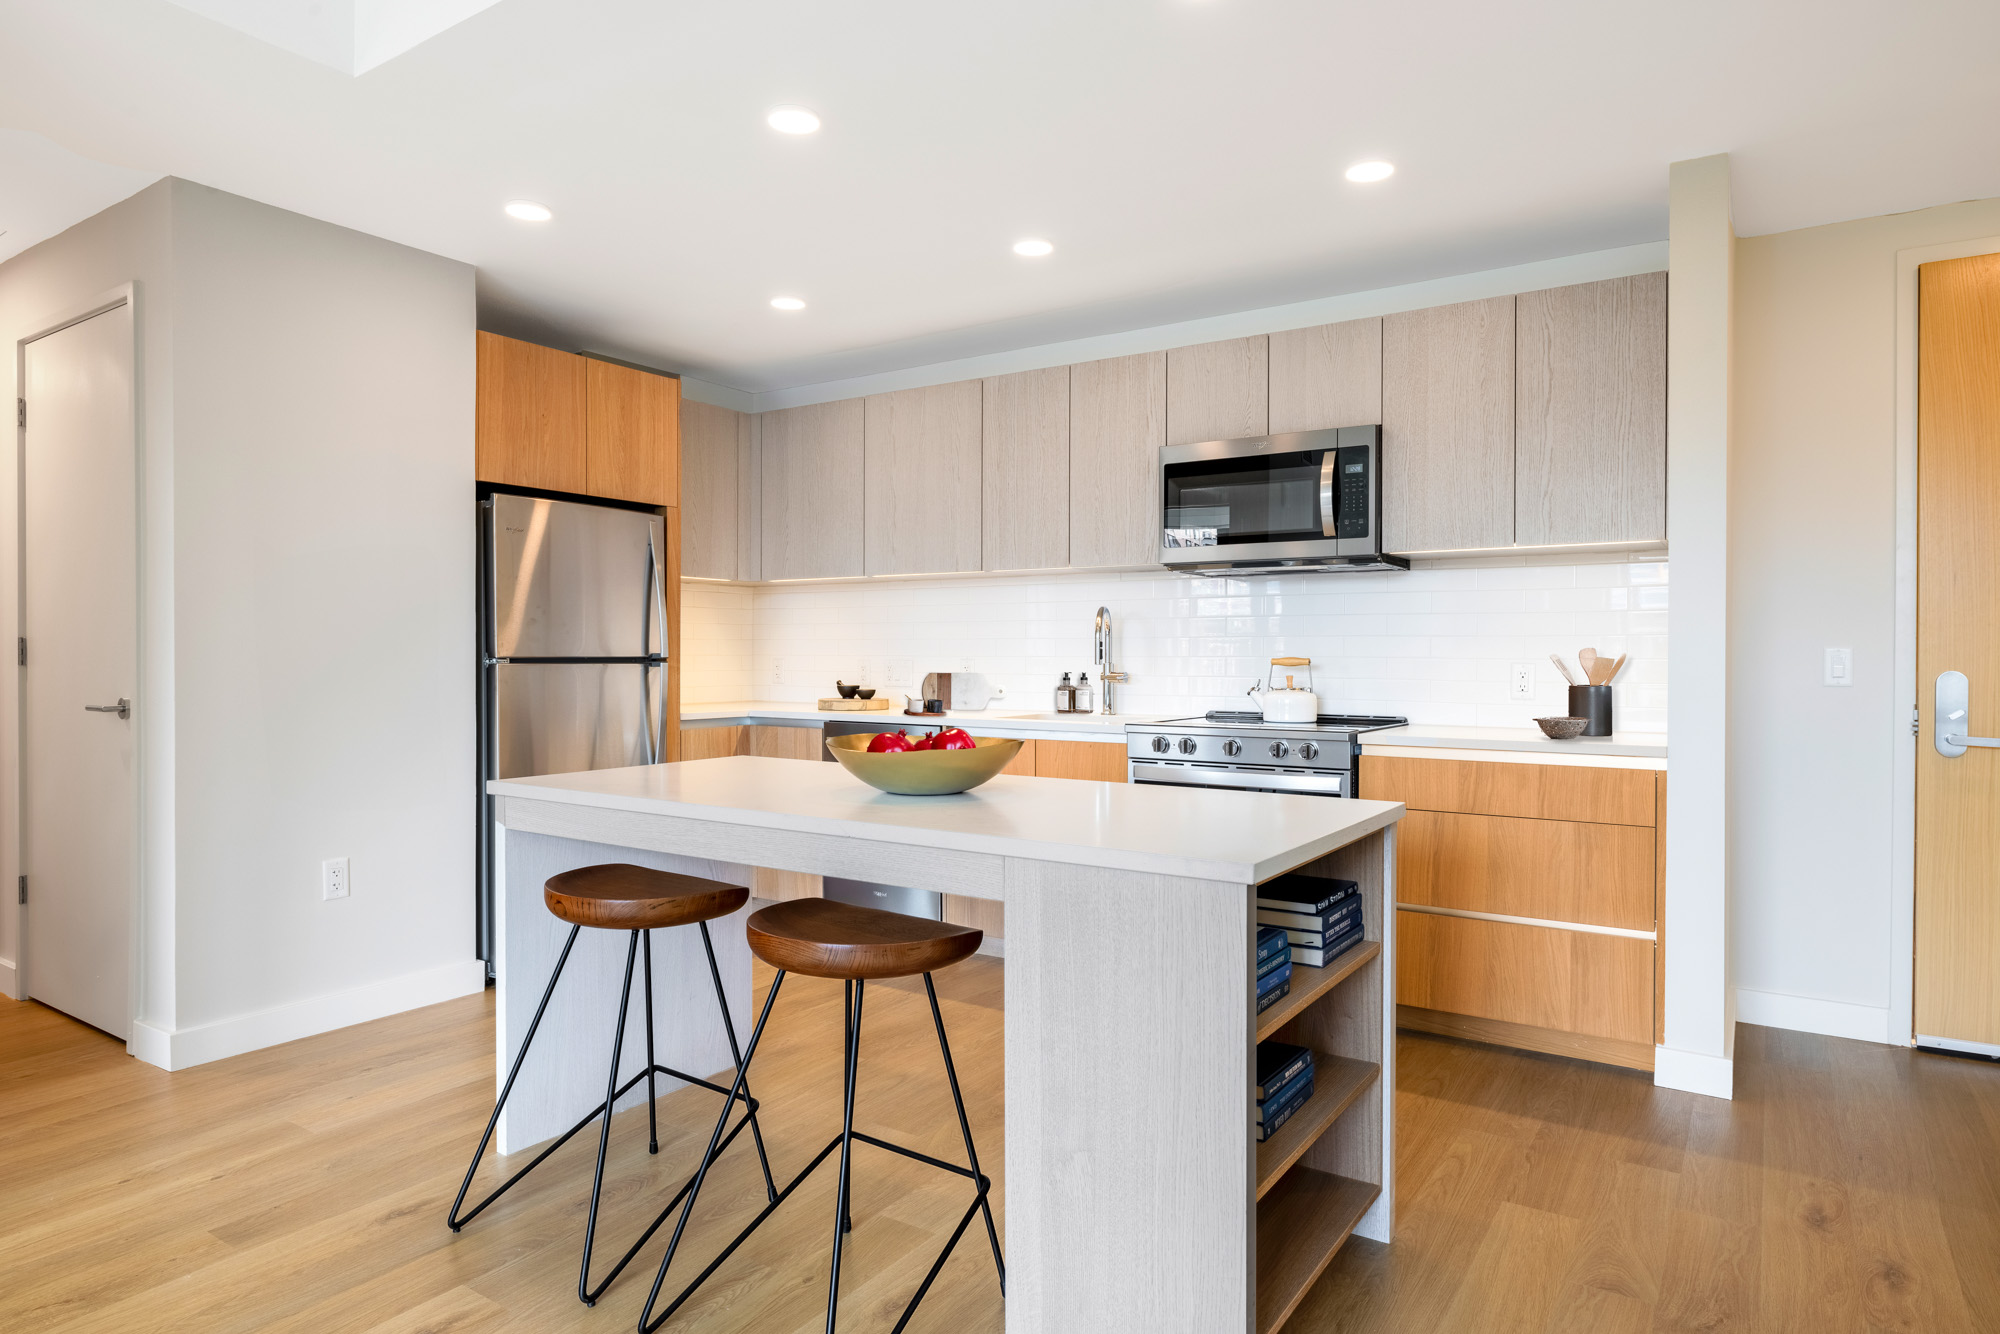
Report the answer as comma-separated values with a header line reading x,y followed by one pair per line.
x,y
924,764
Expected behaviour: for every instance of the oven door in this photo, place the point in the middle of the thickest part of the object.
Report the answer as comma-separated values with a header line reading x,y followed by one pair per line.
x,y
1332,784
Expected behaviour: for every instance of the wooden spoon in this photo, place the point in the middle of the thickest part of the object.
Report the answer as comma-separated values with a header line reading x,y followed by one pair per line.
x,y
1563,667
1587,659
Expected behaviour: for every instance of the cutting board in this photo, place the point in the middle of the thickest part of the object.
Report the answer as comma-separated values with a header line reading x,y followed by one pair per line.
x,y
838,705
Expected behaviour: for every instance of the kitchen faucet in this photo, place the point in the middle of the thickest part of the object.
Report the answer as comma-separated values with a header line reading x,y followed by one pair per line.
x,y
1106,677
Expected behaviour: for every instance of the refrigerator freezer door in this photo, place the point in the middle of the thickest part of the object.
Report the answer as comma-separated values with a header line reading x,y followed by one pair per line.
x,y
575,581
562,718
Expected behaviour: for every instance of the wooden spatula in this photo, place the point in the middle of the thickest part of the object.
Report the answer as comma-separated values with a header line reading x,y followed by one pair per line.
x,y
1563,667
1616,668
1587,659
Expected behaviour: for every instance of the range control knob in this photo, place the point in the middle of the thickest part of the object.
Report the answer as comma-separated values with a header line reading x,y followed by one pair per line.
x,y
1279,750
1232,747
1161,745
1308,751
1187,745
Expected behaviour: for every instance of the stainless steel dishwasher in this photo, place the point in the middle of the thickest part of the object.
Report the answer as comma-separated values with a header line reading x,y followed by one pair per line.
x,y
867,893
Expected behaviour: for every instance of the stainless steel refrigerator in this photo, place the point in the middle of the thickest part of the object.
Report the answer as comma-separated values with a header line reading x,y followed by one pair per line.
x,y
572,647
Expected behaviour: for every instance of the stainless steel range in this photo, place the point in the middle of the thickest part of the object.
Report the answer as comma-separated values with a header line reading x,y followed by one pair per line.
x,y
1241,750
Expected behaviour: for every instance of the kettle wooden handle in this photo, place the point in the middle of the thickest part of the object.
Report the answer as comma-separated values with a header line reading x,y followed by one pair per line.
x,y
1291,662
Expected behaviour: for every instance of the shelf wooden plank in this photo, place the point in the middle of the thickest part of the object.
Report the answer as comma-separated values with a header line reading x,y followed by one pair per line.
x,y
1300,1226
1309,984
1337,1082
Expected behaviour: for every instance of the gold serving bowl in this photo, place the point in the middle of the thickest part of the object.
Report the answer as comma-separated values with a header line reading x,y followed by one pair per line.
x,y
924,773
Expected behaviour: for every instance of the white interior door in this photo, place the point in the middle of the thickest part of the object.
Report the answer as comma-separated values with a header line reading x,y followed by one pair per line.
x,y
79,616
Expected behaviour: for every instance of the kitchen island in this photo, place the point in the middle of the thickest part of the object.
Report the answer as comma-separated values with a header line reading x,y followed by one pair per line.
x,y
1137,1196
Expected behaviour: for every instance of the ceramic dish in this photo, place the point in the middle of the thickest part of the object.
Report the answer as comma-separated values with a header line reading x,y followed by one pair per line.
x,y
1562,729
924,773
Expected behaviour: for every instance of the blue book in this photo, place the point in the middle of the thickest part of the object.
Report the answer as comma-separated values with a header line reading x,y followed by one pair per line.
x,y
1278,1063
1281,1094
1307,921
1293,1093
1308,894
1271,977
1320,958
1274,1119
1270,942
1266,999
1334,925
1266,966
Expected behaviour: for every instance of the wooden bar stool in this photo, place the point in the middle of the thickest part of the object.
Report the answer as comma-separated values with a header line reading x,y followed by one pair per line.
x,y
639,900
822,938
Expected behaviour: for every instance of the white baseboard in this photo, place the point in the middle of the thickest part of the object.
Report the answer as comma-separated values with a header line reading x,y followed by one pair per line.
x,y
1809,1014
180,1048
1694,1072
10,979
994,946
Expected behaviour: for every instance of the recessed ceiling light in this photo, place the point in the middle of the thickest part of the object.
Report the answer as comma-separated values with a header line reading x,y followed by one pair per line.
x,y
1034,247
1367,173
528,211
787,303
792,120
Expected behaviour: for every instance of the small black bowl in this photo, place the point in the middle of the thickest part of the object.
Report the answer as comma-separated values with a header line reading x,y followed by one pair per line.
x,y
864,694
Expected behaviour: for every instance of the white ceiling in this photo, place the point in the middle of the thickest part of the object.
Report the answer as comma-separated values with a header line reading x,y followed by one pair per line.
x,y
1184,155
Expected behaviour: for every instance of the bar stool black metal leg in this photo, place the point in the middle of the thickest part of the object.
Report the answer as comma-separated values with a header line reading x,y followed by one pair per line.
x,y
583,1292
452,1218
841,1220
652,1091
729,1028
846,1051
965,1128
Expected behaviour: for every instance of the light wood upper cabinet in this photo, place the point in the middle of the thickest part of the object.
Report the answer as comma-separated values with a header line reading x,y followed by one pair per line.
x,y
921,464
1117,423
1591,413
1219,391
1024,487
632,434
1326,376
530,417
713,443
1448,427
811,491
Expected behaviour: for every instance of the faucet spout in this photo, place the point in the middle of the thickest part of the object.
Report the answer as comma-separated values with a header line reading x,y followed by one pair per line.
x,y
1106,676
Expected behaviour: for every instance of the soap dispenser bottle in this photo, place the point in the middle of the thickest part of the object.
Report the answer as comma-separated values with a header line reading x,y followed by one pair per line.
x,y
1065,696
1083,701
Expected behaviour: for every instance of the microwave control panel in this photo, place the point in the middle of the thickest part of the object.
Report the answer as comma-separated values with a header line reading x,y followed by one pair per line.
x,y
1351,475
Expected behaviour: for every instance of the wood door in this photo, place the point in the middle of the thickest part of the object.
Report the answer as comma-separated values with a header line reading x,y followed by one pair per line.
x,y
1590,413
712,441
1219,391
632,434
812,513
1448,427
1117,423
529,423
1024,490
1326,376
80,625
1957,966
921,464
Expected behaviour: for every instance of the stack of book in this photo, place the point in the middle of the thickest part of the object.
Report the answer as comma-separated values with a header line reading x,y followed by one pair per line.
x,y
1284,1083
1274,967
1321,918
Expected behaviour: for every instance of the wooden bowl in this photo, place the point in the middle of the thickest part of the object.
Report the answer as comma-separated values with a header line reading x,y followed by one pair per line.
x,y
924,773
1562,729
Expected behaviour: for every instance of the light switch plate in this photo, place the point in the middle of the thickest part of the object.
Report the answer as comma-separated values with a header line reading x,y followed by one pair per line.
x,y
1839,667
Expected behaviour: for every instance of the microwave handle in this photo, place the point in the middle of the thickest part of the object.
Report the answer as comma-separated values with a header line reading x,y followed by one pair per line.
x,y
1328,515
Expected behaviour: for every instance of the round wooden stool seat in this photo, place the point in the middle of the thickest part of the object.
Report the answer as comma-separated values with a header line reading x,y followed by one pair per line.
x,y
621,897
824,938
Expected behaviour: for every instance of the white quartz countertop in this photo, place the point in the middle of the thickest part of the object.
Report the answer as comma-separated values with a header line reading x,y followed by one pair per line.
x,y
1200,833
996,721
1641,745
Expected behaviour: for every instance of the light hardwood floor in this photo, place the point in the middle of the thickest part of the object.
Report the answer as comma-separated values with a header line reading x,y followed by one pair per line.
x,y
1850,1187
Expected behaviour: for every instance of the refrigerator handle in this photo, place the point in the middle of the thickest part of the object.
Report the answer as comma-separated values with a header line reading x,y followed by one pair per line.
x,y
656,575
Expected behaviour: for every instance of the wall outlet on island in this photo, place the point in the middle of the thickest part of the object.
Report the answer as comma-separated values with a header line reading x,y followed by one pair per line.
x,y
1521,681
333,882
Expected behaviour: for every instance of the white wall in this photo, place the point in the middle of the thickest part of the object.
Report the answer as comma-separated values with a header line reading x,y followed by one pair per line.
x,y
1813,538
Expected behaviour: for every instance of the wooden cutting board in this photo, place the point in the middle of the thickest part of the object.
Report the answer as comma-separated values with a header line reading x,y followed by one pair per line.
x,y
838,705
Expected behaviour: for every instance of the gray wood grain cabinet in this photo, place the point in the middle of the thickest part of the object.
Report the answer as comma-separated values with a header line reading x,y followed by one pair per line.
x,y
1326,376
1118,422
1448,427
1024,471
922,470
1219,391
713,443
812,495
1590,413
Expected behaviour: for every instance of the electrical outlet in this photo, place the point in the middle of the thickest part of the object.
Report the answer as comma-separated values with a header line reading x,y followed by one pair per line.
x,y
777,673
1521,681
333,881
1839,667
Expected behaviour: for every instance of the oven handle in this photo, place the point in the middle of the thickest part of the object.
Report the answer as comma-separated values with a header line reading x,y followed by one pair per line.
x,y
1184,775
1328,519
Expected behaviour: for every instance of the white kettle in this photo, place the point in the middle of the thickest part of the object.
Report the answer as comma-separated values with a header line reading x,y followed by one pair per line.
x,y
1288,703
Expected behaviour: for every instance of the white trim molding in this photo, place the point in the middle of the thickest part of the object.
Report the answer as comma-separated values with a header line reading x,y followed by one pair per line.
x,y
1694,1072
10,979
1811,1014
181,1048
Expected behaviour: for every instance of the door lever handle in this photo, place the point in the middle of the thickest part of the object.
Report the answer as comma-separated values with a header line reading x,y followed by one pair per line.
x,y
123,708
1954,693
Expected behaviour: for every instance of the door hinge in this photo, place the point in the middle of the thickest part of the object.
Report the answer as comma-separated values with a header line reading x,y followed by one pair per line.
x,y
24,889
1916,719
23,656
20,412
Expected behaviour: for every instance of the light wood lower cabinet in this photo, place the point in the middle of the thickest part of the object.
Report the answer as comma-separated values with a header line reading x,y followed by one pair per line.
x,y
1556,870
1100,761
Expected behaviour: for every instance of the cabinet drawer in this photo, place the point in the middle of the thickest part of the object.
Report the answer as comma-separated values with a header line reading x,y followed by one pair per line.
x,y
1559,870
1571,981
1536,791
1102,761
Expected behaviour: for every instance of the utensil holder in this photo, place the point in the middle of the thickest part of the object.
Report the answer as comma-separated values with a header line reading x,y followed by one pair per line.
x,y
1592,703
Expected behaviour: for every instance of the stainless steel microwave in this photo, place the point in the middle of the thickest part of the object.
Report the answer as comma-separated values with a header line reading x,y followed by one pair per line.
x,y
1278,504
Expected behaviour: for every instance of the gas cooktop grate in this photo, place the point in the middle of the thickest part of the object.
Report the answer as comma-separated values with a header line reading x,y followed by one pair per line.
x,y
1324,720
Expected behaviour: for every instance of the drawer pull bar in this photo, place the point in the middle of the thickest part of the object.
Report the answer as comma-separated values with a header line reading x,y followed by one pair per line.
x,y
1628,932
